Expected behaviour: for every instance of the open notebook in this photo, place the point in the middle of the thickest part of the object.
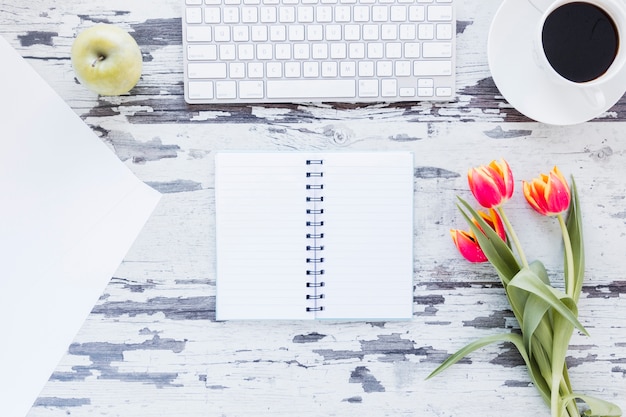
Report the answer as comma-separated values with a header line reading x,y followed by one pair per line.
x,y
314,235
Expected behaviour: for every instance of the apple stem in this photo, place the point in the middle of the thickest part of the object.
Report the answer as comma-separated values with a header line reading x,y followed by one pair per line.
x,y
95,61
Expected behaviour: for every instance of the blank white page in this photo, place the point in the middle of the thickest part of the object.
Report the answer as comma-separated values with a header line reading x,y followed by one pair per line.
x,y
261,233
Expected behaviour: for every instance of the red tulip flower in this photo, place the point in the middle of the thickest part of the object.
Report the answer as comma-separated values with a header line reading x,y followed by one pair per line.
x,y
466,241
548,194
491,184
467,245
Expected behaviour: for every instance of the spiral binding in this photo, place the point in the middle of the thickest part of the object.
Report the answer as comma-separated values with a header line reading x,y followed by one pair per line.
x,y
315,248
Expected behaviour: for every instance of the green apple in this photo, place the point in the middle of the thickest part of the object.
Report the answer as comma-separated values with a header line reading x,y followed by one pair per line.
x,y
106,59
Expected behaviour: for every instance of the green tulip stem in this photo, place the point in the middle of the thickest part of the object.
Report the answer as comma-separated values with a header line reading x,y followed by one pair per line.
x,y
513,236
570,286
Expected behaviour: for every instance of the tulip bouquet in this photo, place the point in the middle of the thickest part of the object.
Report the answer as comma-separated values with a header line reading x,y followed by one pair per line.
x,y
547,315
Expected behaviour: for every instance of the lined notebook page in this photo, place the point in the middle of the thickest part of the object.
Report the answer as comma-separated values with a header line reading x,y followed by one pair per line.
x,y
365,257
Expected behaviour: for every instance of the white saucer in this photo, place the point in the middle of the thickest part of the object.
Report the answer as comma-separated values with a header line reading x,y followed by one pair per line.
x,y
523,84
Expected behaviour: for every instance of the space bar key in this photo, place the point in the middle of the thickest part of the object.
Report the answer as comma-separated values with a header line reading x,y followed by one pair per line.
x,y
311,89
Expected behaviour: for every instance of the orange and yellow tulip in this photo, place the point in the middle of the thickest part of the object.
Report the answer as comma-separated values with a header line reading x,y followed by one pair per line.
x,y
548,194
491,184
466,241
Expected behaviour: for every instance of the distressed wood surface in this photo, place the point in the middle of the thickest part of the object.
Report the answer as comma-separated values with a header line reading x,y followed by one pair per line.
x,y
152,347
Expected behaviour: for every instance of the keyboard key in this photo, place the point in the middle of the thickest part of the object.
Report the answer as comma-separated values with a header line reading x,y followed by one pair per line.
x,y
200,90
398,13
433,68
206,70
199,34
225,89
274,70
212,15
403,68
319,51
227,52
304,14
329,69
439,13
193,15
311,69
436,49
366,69
407,92
278,33
348,69
426,31
249,15
352,33
342,14
384,69
292,69
315,33
287,14
283,51
246,51
425,91
444,31
388,88
323,14
202,52
333,32
251,89
259,33
255,70
268,15
417,13
311,88
222,34
231,15
368,88
241,34
411,50
237,70
443,91
338,51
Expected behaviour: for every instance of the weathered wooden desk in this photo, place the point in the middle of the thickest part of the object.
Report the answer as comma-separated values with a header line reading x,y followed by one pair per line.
x,y
152,347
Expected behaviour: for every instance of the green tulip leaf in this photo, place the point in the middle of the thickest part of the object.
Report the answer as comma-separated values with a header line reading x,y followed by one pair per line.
x,y
535,311
531,310
540,270
575,230
534,368
527,280
597,407
477,344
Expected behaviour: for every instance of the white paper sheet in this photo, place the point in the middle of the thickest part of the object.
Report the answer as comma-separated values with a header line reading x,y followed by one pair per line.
x,y
69,212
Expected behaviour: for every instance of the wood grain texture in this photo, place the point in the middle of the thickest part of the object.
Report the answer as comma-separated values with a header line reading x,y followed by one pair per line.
x,y
152,347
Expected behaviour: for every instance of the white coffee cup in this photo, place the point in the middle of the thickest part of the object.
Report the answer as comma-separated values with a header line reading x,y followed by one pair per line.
x,y
595,86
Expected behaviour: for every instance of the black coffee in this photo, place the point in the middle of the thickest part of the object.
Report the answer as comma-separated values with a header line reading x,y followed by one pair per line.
x,y
580,41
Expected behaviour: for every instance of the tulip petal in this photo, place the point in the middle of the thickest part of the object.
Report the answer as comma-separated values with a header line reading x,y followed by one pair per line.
x,y
492,218
468,246
558,198
504,172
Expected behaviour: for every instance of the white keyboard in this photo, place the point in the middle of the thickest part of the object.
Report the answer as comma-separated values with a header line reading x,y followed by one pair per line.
x,y
265,51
